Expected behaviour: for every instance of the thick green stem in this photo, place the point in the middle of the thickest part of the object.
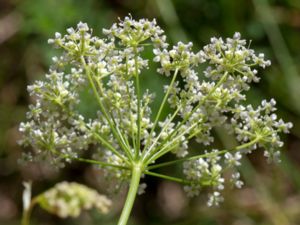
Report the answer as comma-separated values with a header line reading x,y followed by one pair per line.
x,y
133,189
26,218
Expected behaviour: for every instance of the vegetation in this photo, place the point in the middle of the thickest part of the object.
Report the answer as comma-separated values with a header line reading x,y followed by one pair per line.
x,y
270,191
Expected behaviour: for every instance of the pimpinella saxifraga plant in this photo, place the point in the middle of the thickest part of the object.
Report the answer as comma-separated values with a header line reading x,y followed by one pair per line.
x,y
128,136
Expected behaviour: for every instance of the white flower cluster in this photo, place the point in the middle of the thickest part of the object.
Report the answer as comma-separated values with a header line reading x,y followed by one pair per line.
x,y
130,32
179,57
69,199
123,134
54,125
203,172
260,124
208,172
204,104
55,128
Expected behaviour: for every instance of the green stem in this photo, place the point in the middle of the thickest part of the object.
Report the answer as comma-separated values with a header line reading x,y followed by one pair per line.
x,y
167,147
103,110
122,139
160,109
238,148
137,83
100,163
133,188
130,108
178,180
26,217
27,212
110,147
90,161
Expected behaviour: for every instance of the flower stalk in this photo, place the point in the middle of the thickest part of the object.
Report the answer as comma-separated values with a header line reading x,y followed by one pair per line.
x,y
131,195
27,213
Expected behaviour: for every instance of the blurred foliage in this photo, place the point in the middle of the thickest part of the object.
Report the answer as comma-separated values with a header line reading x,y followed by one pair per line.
x,y
272,192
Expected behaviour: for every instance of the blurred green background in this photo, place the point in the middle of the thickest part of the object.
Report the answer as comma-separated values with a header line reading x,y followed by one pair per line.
x,y
272,192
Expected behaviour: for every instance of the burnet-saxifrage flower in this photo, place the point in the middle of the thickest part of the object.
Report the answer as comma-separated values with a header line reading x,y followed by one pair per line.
x,y
123,134
65,199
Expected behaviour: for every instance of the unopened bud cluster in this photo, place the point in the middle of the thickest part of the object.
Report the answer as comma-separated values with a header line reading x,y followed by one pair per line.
x,y
123,131
70,199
